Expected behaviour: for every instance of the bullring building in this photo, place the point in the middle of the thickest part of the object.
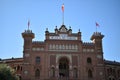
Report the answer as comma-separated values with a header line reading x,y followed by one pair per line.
x,y
62,55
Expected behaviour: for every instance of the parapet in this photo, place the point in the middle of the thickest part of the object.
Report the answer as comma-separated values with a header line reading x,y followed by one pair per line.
x,y
108,62
28,31
87,44
38,42
97,35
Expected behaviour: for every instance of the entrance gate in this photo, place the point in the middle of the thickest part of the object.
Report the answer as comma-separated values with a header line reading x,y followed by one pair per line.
x,y
63,67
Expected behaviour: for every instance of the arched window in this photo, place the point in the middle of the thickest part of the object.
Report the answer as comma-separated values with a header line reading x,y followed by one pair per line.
x,y
75,74
52,72
118,72
20,78
18,67
89,61
90,75
37,60
21,68
110,79
37,73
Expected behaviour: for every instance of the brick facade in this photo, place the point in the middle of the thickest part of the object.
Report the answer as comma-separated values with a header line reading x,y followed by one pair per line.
x,y
63,55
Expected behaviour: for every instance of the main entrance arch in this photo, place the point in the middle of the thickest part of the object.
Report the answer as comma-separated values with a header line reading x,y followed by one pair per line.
x,y
63,67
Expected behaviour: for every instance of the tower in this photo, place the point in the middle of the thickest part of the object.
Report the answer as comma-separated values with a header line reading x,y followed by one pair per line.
x,y
97,41
27,48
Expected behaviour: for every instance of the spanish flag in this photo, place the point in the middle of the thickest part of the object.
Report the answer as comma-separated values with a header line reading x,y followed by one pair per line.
x,y
97,25
63,7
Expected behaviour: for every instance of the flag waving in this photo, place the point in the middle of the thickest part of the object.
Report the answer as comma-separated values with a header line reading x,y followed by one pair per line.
x,y
63,7
97,25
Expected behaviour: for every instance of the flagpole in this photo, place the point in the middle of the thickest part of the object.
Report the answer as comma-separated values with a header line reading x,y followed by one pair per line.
x,y
97,25
28,24
63,17
28,27
96,28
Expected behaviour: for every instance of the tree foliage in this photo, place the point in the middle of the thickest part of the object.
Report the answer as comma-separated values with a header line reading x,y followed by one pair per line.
x,y
7,73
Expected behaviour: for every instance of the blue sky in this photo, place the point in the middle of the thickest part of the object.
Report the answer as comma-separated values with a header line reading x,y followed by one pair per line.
x,y
79,14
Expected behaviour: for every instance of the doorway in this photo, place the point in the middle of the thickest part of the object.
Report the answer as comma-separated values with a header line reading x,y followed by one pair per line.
x,y
63,67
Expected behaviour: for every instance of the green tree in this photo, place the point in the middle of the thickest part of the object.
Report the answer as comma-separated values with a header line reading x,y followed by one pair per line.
x,y
7,73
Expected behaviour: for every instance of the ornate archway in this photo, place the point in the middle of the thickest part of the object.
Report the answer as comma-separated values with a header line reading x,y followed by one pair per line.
x,y
63,67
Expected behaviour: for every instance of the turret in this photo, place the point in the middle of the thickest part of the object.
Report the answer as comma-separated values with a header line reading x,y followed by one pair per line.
x,y
56,30
27,36
27,48
79,35
97,40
